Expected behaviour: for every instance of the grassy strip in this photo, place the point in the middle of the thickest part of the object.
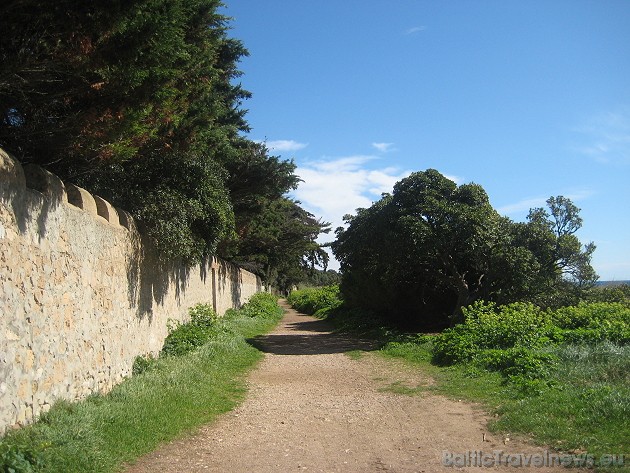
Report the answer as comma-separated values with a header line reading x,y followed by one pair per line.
x,y
556,378
172,396
574,413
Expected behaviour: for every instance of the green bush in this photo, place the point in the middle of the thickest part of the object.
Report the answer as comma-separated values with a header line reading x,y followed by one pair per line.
x,y
262,304
143,363
594,322
487,326
316,301
19,458
518,340
184,338
202,315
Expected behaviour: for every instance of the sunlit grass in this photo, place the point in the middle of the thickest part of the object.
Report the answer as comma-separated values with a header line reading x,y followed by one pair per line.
x,y
176,395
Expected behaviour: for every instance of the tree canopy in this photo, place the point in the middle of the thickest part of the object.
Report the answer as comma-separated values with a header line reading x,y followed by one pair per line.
x,y
432,247
138,101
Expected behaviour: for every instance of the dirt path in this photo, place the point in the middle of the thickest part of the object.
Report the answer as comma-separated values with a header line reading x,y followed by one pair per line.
x,y
311,407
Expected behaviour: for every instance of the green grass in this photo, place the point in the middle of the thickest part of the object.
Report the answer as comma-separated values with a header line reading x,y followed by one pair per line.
x,y
172,397
355,354
585,408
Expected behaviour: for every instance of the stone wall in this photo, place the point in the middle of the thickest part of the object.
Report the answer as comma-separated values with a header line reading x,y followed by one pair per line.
x,y
82,293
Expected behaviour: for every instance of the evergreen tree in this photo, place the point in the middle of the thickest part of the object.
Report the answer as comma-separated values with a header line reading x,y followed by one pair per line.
x,y
137,101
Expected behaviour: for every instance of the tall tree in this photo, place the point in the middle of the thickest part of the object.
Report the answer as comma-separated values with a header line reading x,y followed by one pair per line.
x,y
433,247
279,243
564,263
83,84
137,101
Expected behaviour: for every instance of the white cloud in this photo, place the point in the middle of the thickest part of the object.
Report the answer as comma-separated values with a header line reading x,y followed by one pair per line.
x,y
284,145
522,206
529,203
333,188
383,147
606,137
415,29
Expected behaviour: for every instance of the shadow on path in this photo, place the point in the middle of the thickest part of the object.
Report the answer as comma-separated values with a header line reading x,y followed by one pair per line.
x,y
300,334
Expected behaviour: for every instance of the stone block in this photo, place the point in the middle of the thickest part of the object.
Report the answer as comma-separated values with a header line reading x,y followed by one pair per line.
x,y
11,171
47,183
81,198
106,210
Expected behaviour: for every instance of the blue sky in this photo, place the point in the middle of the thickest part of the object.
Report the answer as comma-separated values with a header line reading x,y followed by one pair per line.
x,y
527,98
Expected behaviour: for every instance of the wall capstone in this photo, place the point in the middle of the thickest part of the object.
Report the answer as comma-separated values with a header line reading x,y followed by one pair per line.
x,y
81,198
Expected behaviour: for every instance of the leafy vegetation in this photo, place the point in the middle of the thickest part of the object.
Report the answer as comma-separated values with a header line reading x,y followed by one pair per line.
x,y
421,254
316,301
167,396
280,243
183,338
138,102
560,375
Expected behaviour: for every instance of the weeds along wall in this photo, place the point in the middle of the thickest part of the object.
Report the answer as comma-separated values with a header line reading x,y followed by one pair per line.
x,y
82,293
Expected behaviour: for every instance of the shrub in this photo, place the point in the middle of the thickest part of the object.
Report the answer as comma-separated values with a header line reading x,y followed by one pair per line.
x,y
487,326
143,363
19,458
262,304
594,322
518,339
202,315
316,301
509,339
184,338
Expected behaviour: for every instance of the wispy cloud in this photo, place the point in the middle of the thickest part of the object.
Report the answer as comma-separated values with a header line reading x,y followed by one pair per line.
x,y
384,147
415,30
524,205
284,145
606,137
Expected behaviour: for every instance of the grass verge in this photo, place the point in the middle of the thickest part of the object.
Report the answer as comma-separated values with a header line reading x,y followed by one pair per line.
x,y
172,396
575,413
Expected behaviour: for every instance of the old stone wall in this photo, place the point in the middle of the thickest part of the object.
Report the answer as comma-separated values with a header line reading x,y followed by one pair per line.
x,y
82,293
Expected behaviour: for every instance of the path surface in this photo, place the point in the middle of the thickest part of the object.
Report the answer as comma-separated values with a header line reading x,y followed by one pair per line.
x,y
311,407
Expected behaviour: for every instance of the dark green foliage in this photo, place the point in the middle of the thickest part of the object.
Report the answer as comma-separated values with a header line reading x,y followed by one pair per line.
x,y
184,338
16,458
86,84
420,255
279,243
316,301
137,102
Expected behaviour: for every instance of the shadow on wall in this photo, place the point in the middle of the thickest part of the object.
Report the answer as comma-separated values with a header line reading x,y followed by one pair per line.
x,y
147,279
50,192
150,278
227,273
34,194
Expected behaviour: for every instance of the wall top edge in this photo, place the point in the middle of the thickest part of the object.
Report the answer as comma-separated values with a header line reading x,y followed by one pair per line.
x,y
35,178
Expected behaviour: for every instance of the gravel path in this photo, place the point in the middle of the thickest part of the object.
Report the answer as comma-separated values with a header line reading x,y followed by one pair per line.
x,y
311,407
